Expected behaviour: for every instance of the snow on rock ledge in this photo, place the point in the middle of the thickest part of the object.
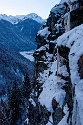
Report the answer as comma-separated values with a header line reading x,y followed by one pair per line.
x,y
44,32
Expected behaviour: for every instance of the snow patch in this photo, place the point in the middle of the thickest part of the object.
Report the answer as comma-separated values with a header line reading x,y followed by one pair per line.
x,y
44,32
28,55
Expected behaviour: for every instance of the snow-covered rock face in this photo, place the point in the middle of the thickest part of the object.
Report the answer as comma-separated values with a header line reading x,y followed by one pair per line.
x,y
53,25
57,61
56,88
18,18
73,40
52,85
69,38
60,9
63,1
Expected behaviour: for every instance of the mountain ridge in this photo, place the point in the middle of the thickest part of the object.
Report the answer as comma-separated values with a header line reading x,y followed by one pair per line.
x,y
16,19
19,37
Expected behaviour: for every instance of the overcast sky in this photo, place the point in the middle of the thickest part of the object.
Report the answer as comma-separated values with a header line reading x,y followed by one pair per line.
x,y
23,7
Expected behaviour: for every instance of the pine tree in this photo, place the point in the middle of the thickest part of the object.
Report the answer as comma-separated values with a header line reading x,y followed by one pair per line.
x,y
26,86
14,104
3,113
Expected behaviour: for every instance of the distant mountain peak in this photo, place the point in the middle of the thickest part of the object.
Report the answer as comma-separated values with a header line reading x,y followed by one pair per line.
x,y
16,19
11,19
32,16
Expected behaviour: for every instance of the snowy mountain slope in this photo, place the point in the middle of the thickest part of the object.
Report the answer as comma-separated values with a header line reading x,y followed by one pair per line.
x,y
12,39
18,18
19,37
28,28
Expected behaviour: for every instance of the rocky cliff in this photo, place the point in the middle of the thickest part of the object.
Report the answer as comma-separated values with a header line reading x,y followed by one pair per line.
x,y
57,88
